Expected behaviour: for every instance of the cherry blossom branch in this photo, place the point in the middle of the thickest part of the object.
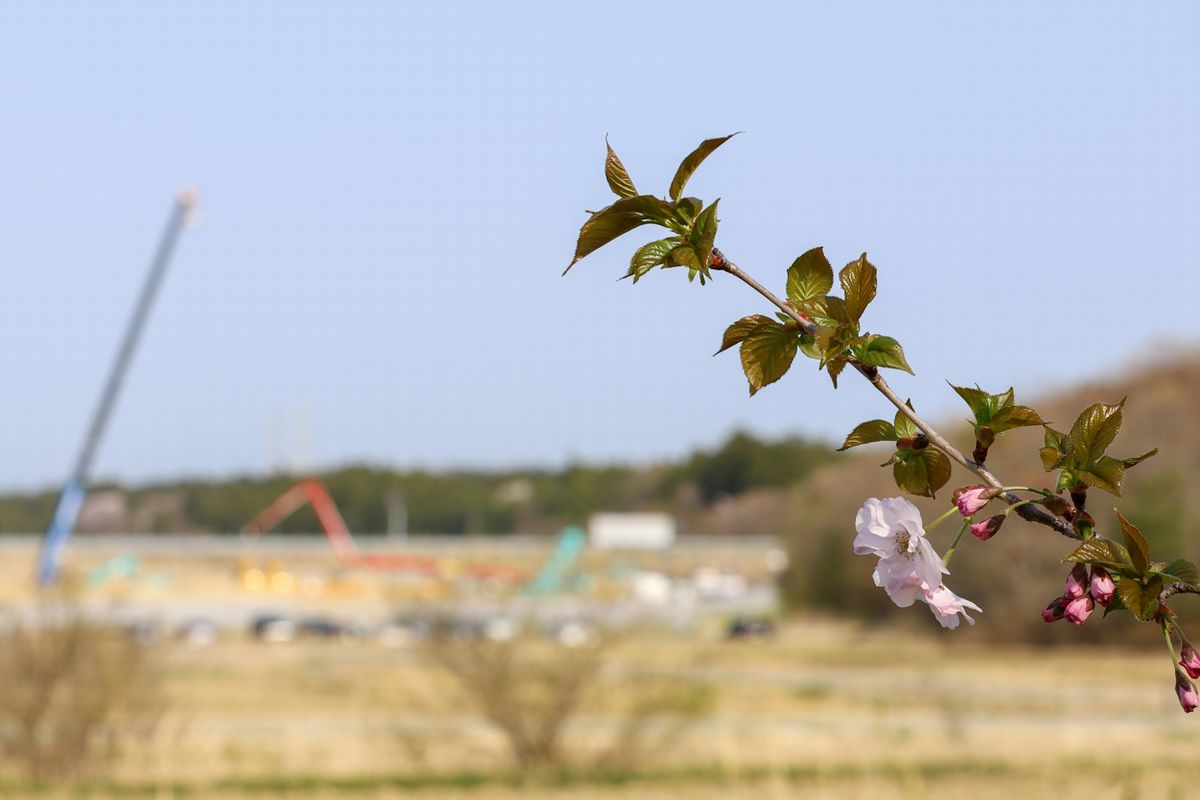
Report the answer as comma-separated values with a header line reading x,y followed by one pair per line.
x,y
1026,511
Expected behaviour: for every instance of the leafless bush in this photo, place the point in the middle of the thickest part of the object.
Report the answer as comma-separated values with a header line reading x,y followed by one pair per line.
x,y
73,691
531,689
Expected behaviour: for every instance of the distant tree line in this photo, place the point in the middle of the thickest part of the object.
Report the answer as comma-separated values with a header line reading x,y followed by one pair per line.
x,y
458,501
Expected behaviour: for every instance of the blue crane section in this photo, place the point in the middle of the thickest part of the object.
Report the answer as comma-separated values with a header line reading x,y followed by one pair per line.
x,y
75,489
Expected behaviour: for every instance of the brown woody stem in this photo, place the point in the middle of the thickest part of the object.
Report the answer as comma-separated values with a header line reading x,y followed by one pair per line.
x,y
1027,512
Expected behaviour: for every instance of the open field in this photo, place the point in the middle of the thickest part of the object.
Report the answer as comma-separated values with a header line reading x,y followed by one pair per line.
x,y
823,709
836,710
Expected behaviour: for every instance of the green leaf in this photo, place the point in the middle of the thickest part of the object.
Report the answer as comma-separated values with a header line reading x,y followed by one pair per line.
x,y
1104,552
977,400
875,430
1183,571
739,330
767,353
810,276
693,160
1009,417
859,282
1054,452
686,210
834,341
1132,462
649,256
616,174
1139,551
830,311
616,220
834,368
704,232
1107,474
1094,430
905,427
921,473
809,346
881,351
682,256
1141,600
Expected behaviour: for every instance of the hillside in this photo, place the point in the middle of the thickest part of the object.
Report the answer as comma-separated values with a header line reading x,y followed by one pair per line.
x,y
1017,572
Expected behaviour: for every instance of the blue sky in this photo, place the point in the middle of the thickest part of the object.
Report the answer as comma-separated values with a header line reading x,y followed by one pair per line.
x,y
390,191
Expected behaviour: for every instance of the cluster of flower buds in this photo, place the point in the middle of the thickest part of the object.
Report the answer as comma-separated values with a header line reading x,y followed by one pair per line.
x,y
1081,596
969,500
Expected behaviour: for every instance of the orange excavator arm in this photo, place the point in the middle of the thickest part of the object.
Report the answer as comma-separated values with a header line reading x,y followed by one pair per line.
x,y
313,492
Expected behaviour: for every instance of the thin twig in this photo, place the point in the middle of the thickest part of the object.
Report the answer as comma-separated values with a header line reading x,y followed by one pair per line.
x,y
1027,512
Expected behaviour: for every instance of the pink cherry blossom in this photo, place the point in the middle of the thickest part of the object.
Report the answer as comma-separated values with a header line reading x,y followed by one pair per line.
x,y
1185,690
1078,609
946,606
1190,660
1102,587
892,530
970,499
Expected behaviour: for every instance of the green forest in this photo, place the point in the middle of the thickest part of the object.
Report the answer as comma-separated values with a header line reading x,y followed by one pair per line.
x,y
451,502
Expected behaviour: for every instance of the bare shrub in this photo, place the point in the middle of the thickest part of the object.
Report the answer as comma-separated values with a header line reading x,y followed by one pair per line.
x,y
531,690
74,691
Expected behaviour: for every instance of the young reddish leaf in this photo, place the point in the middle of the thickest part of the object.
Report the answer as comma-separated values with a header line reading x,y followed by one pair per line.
x,y
739,330
1139,551
616,220
1104,552
1107,474
616,174
977,400
1009,417
875,430
809,277
693,160
767,353
1095,429
859,282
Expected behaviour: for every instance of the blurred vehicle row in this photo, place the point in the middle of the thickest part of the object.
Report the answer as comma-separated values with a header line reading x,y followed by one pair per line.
x,y
402,630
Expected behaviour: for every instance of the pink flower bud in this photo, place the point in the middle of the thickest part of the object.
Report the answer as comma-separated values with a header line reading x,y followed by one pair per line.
x,y
1102,587
987,528
1079,609
1054,611
1186,691
970,499
1190,660
1077,582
